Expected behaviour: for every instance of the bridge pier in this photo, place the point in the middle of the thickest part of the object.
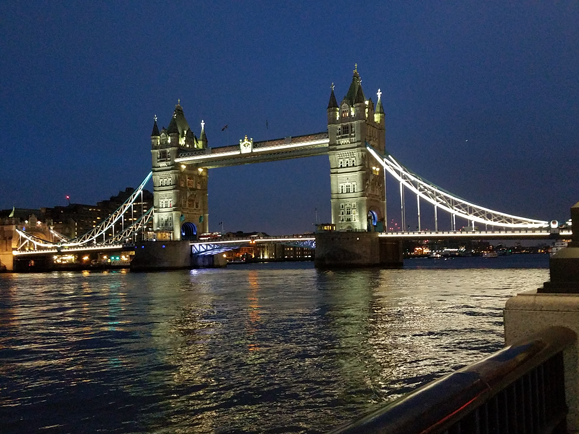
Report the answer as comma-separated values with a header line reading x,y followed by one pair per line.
x,y
161,255
171,255
33,264
356,249
209,261
6,246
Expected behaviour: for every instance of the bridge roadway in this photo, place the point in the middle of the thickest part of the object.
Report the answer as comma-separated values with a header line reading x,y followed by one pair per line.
x,y
523,234
211,247
91,248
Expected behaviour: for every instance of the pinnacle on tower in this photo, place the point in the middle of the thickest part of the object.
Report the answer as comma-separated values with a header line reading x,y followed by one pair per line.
x,y
332,103
203,136
355,93
172,128
180,120
379,107
155,132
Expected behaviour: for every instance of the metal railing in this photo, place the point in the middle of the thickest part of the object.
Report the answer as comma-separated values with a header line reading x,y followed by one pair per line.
x,y
518,390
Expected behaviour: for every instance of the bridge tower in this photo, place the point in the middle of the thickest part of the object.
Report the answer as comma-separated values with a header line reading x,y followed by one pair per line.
x,y
358,195
180,191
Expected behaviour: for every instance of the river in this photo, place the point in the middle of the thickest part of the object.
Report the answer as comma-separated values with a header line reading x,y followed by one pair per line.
x,y
256,348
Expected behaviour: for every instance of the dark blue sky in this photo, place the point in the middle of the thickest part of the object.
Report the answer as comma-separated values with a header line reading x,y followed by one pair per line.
x,y
481,98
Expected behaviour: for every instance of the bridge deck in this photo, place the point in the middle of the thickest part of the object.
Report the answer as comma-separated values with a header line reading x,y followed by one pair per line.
x,y
270,150
480,235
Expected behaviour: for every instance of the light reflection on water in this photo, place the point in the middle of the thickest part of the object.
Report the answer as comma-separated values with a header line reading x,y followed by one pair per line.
x,y
260,348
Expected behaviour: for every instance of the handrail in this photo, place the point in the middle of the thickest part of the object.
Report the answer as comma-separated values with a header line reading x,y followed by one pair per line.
x,y
447,402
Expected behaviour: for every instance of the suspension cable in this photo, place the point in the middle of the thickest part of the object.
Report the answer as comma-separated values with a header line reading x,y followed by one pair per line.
x,y
447,201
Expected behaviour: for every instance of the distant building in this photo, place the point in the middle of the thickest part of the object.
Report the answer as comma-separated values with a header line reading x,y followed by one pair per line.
x,y
266,251
23,219
70,221
77,219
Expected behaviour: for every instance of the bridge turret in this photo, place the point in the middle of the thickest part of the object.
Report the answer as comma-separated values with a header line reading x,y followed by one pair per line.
x,y
355,96
379,115
333,109
173,132
203,136
155,135
380,125
360,103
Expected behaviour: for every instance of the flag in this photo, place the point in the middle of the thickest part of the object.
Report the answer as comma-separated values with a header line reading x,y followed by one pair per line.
x,y
224,128
12,213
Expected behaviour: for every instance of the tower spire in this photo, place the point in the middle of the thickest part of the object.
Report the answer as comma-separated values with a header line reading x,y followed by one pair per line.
x,y
155,132
355,88
379,107
332,103
203,136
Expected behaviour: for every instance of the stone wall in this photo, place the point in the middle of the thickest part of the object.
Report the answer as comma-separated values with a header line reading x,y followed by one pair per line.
x,y
356,249
161,255
7,236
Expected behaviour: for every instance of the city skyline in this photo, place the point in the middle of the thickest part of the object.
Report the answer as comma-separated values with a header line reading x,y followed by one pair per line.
x,y
481,99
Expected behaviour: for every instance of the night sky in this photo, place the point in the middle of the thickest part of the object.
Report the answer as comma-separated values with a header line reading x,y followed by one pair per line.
x,y
481,98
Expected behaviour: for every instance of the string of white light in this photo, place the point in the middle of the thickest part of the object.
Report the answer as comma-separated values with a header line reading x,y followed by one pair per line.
x,y
449,202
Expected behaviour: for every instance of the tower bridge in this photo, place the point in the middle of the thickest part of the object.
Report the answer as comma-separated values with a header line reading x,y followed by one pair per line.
x,y
180,164
355,143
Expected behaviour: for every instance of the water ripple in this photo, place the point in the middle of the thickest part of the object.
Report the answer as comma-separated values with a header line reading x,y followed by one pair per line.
x,y
251,349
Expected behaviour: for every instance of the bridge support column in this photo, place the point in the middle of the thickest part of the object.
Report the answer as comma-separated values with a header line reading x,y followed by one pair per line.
x,y
209,261
161,255
7,235
555,304
356,249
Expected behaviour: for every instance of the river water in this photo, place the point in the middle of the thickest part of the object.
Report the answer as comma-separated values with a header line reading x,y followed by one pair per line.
x,y
260,348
